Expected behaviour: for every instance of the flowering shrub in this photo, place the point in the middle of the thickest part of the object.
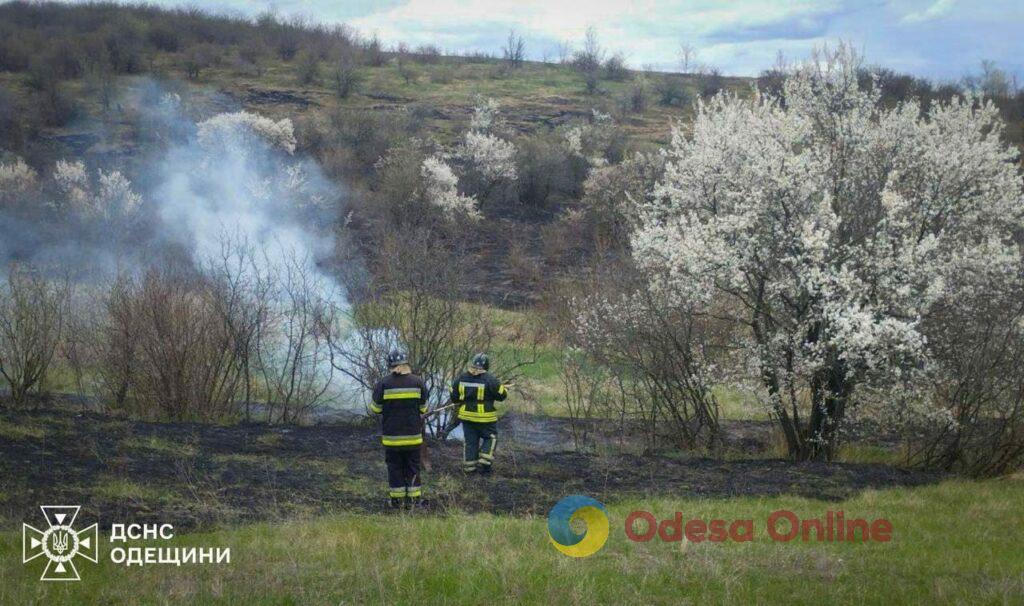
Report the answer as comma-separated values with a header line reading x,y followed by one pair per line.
x,y
110,197
246,126
485,115
832,226
16,177
441,189
591,141
492,157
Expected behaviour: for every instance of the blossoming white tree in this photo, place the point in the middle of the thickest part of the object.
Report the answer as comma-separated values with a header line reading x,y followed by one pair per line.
x,y
16,177
831,225
486,116
488,160
110,197
245,128
491,157
440,188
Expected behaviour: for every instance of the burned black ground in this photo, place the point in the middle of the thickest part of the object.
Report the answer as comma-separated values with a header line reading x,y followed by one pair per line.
x,y
203,476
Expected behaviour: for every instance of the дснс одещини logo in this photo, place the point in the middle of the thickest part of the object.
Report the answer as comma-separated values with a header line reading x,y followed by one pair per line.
x,y
60,543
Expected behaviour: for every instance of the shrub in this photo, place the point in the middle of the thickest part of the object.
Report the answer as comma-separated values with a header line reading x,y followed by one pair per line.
x,y
672,91
33,310
307,68
615,68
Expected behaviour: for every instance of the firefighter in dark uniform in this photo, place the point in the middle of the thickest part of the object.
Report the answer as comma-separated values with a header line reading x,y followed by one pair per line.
x,y
400,398
476,391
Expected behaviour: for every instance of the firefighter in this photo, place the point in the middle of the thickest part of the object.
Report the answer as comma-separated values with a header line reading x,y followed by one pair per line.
x,y
400,398
476,391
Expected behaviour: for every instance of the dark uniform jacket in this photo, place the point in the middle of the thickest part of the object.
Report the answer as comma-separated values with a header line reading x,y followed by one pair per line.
x,y
400,400
478,393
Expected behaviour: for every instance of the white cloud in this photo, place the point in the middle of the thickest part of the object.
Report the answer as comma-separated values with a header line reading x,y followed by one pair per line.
x,y
936,38
937,10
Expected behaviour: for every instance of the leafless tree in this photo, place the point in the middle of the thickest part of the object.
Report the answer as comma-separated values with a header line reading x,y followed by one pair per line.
x,y
514,50
564,52
345,76
591,56
33,311
244,283
416,301
293,355
687,58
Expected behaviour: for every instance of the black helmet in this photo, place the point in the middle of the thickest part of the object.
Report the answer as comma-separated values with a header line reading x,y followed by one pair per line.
x,y
396,357
481,360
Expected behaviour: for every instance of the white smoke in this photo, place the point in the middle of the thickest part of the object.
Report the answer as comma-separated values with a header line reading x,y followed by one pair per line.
x,y
237,175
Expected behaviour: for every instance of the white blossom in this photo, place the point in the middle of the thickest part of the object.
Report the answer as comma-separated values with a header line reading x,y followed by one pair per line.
x,y
109,197
833,224
590,141
72,181
16,178
114,196
485,115
492,157
441,189
244,126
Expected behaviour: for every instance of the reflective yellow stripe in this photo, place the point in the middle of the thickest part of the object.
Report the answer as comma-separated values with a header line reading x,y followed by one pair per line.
x,y
375,408
502,390
414,394
462,392
480,417
396,492
414,491
402,440
480,392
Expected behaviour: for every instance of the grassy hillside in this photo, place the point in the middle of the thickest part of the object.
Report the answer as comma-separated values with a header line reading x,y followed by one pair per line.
x,y
957,542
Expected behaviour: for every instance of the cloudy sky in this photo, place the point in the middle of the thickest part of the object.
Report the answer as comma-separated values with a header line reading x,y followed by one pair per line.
x,y
937,38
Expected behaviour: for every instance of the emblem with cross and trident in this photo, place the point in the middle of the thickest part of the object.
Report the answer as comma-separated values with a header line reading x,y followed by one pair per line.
x,y
60,543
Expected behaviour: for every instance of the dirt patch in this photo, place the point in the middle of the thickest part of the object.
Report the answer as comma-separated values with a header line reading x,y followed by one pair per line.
x,y
198,476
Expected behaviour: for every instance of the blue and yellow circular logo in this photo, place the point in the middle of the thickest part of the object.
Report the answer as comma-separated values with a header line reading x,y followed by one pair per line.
x,y
578,507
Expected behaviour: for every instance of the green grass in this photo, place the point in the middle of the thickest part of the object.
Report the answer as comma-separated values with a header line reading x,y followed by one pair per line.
x,y
20,431
957,542
163,445
119,489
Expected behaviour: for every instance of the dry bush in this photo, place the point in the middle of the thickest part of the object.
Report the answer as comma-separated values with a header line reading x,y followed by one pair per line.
x,y
671,91
185,362
307,68
650,363
345,77
33,312
710,82
422,274
974,420
615,68
373,52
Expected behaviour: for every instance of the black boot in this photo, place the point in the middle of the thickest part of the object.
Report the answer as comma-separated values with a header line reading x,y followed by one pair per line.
x,y
485,469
